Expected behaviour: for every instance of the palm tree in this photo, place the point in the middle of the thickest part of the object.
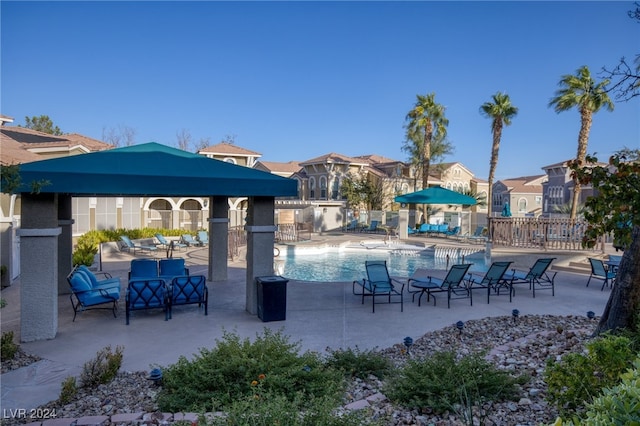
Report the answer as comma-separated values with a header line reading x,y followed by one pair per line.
x,y
581,91
500,111
427,120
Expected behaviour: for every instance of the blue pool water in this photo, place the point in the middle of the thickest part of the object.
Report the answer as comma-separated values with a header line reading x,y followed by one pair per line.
x,y
347,266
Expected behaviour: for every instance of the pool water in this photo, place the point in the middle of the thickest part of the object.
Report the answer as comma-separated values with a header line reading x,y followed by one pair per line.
x,y
347,266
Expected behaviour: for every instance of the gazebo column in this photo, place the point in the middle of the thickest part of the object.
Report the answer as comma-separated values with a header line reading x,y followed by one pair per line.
x,y
218,238
39,234
260,237
65,242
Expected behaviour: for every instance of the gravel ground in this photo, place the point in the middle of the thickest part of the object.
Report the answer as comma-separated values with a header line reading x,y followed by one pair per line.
x,y
520,347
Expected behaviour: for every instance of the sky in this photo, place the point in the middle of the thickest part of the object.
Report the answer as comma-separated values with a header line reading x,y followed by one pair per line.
x,y
297,80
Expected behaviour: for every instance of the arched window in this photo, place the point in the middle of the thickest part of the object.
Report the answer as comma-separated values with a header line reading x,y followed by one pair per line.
x,y
230,160
522,205
335,189
312,188
160,215
323,188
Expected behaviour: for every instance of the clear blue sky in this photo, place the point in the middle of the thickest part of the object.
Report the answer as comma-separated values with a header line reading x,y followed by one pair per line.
x,y
295,80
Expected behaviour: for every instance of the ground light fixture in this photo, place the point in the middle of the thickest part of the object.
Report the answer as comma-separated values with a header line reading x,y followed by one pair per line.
x,y
156,376
460,326
591,315
515,314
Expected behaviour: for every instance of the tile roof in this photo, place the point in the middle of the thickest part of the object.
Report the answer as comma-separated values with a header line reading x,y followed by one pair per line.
x,y
333,157
17,143
289,167
226,148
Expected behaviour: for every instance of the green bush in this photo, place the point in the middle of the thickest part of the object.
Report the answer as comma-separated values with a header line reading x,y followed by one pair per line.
x,y
358,363
268,408
68,391
577,378
8,349
215,378
619,405
103,368
443,383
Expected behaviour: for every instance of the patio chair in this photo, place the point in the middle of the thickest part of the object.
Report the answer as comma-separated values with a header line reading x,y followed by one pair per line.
x,y
85,297
425,228
203,238
478,235
537,275
373,227
352,226
167,244
379,283
411,231
129,245
453,284
189,240
493,280
453,232
106,282
600,272
147,294
170,268
143,268
190,289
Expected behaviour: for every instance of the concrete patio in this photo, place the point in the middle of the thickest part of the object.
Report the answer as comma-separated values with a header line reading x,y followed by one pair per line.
x,y
319,316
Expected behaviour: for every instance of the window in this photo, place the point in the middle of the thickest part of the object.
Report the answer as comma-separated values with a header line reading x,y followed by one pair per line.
x,y
323,187
538,200
312,188
522,205
335,189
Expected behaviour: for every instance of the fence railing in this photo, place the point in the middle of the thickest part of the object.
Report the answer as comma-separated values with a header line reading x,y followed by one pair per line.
x,y
557,233
237,239
285,232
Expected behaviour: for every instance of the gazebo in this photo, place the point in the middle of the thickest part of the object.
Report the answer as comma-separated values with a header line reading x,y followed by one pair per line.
x,y
149,169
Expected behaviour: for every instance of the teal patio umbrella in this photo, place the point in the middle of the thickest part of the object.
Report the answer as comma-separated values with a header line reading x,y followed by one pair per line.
x,y
506,210
436,195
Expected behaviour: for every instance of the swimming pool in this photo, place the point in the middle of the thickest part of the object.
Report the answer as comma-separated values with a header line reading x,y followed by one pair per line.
x,y
348,265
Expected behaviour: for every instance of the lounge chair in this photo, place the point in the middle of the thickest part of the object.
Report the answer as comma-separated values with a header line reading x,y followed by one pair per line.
x,y
537,275
203,238
493,279
167,244
373,227
84,296
600,272
129,245
453,284
453,232
190,289
189,240
352,226
411,231
425,228
478,235
379,283
147,294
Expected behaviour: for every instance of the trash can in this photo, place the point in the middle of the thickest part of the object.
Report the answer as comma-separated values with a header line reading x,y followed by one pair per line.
x,y
272,298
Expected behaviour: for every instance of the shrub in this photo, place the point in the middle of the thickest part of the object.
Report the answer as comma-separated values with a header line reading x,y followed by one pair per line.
x,y
103,368
3,303
578,378
225,374
358,363
69,390
442,383
8,349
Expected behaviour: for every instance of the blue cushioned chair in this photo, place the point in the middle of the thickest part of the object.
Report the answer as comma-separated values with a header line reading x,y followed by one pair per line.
x,y
147,294
190,289
85,297
170,268
144,268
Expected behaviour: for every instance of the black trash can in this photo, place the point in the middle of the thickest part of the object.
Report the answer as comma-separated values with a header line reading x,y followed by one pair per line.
x,y
272,298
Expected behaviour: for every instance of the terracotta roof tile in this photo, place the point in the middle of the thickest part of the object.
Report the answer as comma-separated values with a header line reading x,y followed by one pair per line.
x,y
226,148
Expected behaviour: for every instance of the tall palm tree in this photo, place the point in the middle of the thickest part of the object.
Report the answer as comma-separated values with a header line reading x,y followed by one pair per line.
x,y
500,111
428,120
581,91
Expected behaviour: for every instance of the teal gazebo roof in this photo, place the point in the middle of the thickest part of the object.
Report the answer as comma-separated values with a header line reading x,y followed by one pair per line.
x,y
151,169
436,195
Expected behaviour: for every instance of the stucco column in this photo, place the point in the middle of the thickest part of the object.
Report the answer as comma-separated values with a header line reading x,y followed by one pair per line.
x,y
260,237
403,223
65,242
39,267
218,238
